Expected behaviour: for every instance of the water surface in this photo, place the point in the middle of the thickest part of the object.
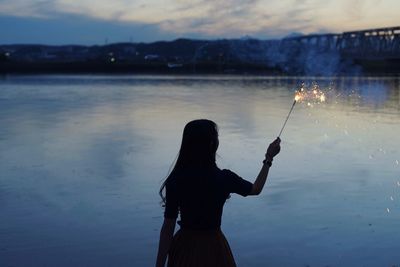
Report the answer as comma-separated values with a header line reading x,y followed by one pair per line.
x,y
82,159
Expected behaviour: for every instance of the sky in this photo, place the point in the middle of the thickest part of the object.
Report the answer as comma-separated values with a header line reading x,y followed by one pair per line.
x,y
90,22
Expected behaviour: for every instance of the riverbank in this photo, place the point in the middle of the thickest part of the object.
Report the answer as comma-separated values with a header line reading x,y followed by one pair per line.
x,y
361,67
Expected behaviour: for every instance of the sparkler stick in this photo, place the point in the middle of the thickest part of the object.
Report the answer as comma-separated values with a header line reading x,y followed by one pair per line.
x,y
287,118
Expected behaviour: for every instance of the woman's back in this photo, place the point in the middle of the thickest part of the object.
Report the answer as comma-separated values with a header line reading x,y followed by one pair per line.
x,y
199,195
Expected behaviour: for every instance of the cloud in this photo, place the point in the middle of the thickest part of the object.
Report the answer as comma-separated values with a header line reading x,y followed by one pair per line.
x,y
218,19
23,8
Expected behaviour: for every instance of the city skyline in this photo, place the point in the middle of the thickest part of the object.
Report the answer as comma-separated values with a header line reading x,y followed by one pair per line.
x,y
91,22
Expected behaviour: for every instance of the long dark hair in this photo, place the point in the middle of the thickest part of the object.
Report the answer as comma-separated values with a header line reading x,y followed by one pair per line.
x,y
198,148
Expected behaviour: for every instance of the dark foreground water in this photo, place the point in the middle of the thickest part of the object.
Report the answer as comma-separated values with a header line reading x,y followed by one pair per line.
x,y
82,159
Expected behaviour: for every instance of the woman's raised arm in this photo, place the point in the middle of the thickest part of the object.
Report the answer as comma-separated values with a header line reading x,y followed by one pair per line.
x,y
272,151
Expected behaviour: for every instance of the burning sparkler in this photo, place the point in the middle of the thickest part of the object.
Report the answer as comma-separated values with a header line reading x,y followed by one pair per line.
x,y
313,95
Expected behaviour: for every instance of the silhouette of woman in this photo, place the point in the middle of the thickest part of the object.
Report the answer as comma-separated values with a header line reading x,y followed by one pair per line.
x,y
197,189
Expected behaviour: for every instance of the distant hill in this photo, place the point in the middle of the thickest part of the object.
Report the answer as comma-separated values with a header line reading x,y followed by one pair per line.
x,y
325,54
294,34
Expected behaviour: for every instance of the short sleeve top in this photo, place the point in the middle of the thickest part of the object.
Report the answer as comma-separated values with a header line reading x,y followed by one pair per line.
x,y
199,196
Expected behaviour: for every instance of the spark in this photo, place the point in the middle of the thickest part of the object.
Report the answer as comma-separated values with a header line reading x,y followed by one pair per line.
x,y
314,95
391,198
388,210
397,162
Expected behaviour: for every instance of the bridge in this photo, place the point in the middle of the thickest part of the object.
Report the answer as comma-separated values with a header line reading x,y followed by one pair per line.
x,y
373,43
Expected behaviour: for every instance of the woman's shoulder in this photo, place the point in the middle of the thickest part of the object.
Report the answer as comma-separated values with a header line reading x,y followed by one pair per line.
x,y
227,176
227,173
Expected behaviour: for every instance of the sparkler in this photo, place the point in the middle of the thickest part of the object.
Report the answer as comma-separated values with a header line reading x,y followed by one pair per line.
x,y
284,124
313,95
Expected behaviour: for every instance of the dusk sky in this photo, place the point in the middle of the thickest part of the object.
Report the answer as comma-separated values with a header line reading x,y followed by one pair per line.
x,y
97,21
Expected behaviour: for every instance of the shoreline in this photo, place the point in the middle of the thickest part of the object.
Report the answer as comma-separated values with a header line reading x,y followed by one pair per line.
x,y
381,69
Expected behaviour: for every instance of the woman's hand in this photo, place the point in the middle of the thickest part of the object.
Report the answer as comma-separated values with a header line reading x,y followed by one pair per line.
x,y
273,149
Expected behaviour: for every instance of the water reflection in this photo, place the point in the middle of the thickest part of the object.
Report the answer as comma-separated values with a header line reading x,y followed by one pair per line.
x,y
82,157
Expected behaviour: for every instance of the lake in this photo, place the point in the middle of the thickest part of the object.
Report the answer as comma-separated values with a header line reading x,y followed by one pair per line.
x,y
82,159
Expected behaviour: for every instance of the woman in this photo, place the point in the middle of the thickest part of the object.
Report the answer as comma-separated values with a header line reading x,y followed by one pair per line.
x,y
198,189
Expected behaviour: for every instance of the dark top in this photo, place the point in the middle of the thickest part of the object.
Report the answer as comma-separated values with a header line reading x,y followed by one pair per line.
x,y
199,196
